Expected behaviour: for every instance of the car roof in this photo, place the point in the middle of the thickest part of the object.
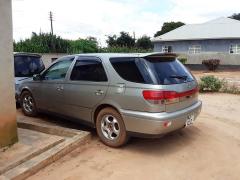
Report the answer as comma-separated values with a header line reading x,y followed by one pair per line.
x,y
26,54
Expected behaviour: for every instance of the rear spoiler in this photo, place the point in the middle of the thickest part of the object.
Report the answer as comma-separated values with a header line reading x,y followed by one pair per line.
x,y
174,55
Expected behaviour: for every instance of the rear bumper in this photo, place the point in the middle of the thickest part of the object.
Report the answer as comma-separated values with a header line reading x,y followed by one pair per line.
x,y
153,123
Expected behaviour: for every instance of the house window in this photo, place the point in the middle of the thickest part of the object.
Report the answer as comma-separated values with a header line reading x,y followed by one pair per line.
x,y
167,49
194,49
234,49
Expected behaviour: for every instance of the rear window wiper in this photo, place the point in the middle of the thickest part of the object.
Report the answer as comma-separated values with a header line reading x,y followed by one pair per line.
x,y
178,77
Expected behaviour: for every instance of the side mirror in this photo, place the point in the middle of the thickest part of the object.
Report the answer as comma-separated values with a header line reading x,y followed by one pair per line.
x,y
37,77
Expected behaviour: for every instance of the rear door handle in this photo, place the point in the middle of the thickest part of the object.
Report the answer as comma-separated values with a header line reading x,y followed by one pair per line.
x,y
99,92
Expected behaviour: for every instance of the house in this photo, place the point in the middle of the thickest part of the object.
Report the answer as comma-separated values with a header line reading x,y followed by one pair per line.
x,y
221,35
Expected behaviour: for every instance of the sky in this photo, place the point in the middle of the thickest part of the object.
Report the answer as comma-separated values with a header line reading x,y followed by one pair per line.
x,y
75,19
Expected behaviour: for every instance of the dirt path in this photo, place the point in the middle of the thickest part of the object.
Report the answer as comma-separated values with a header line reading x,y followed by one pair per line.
x,y
232,77
208,150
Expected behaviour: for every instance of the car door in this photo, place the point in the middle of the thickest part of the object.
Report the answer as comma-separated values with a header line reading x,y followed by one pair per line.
x,y
52,85
86,86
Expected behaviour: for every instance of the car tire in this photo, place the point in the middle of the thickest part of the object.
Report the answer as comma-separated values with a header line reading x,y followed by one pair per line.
x,y
110,128
28,104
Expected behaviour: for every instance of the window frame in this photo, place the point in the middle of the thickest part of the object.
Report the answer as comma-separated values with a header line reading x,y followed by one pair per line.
x,y
234,49
68,58
30,74
167,47
141,66
88,58
195,49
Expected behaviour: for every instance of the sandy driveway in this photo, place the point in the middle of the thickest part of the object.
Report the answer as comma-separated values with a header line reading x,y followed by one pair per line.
x,y
232,77
208,150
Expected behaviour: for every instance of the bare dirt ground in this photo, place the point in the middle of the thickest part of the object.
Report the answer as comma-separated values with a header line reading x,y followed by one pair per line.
x,y
208,150
232,77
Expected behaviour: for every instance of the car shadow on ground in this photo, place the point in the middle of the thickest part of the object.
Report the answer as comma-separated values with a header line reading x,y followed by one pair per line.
x,y
167,144
64,122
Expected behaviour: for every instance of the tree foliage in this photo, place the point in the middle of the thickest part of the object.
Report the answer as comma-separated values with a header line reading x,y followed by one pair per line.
x,y
83,46
236,16
168,26
42,43
144,42
124,40
47,43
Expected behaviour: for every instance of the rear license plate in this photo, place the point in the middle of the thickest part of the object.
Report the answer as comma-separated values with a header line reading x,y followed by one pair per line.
x,y
190,120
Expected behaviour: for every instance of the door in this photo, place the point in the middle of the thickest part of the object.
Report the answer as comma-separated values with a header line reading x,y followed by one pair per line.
x,y
51,87
86,87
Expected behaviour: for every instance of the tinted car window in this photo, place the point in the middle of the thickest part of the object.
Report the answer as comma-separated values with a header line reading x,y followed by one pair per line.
x,y
27,66
88,70
168,70
130,69
58,70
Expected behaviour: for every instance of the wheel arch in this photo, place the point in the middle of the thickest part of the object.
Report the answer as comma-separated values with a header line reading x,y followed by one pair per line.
x,y
103,106
25,89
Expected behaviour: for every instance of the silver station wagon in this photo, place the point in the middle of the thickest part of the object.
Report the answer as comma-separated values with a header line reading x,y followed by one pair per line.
x,y
121,95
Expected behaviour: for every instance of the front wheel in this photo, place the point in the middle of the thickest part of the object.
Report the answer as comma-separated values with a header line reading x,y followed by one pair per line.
x,y
28,104
111,128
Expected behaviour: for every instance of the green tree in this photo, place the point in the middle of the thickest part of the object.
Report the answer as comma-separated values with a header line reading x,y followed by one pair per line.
x,y
124,40
46,43
144,42
111,41
235,16
168,26
42,43
83,46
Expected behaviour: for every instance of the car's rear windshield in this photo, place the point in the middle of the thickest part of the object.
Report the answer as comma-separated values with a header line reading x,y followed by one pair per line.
x,y
152,70
27,66
168,70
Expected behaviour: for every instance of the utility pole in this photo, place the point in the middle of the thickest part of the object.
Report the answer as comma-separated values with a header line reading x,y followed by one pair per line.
x,y
53,48
51,21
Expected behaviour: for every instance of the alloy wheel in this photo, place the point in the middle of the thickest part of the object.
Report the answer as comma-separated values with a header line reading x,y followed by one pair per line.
x,y
110,127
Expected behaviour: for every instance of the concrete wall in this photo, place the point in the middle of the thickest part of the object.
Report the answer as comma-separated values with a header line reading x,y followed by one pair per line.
x,y
8,127
226,58
216,45
211,49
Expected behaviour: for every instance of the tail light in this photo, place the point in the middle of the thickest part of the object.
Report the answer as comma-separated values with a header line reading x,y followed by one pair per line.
x,y
166,97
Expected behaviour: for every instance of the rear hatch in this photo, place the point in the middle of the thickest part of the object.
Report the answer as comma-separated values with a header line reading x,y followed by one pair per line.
x,y
177,88
26,65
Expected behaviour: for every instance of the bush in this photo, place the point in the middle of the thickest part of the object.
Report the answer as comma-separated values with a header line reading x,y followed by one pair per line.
x,y
210,84
183,60
211,64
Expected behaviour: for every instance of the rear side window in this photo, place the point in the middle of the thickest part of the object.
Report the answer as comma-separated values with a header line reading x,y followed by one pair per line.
x,y
168,70
131,69
88,70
